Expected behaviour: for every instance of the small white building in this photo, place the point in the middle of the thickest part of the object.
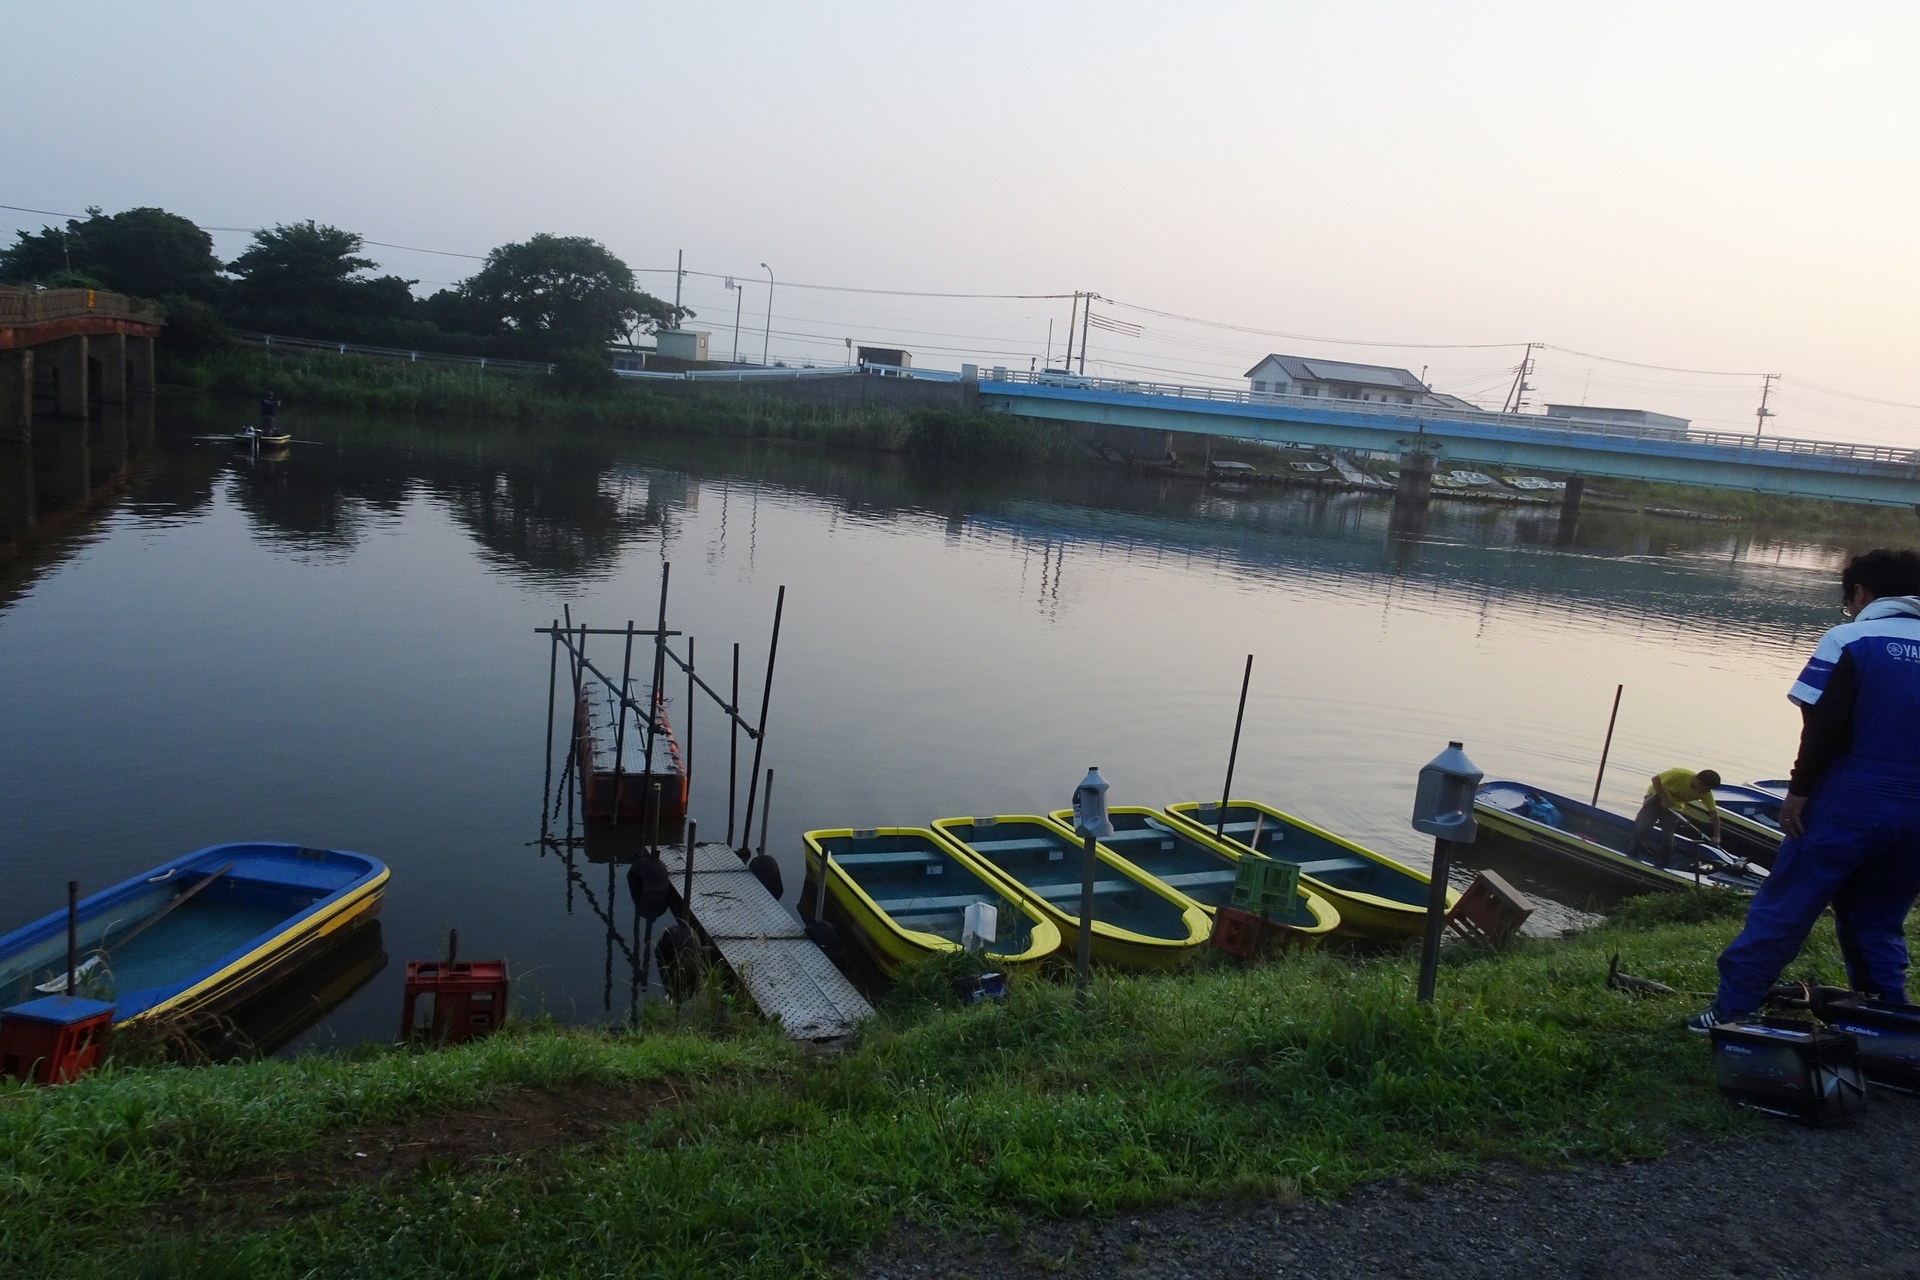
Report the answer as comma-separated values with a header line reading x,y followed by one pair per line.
x,y
681,344
1662,426
1336,379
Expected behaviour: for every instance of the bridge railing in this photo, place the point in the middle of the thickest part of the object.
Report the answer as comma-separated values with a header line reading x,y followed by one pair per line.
x,y
29,306
1543,424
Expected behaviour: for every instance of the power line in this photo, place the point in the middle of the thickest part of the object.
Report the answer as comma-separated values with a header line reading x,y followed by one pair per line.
x,y
1309,337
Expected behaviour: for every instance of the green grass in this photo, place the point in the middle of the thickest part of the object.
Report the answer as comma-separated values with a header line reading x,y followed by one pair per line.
x,y
390,386
1306,1076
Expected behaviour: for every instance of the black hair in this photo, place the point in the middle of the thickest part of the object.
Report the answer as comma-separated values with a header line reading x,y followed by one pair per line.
x,y
1709,776
1882,573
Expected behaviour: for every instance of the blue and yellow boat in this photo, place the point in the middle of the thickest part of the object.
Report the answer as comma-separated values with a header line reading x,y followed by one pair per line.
x,y
1140,922
197,934
906,892
1199,866
1376,897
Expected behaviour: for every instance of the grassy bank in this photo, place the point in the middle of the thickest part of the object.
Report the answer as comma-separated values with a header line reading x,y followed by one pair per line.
x,y
390,386
731,1152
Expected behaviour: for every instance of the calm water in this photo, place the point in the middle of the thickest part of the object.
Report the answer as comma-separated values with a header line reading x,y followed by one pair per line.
x,y
338,649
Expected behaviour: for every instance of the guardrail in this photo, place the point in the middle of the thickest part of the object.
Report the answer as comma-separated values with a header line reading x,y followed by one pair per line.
x,y
758,373
28,306
1538,423
387,353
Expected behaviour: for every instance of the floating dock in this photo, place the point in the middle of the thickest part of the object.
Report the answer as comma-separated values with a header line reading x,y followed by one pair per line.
x,y
767,949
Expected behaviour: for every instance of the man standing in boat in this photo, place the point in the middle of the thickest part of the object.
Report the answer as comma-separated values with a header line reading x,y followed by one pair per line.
x,y
1671,792
1852,812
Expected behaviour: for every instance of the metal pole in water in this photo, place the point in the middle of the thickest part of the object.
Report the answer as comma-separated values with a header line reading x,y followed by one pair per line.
x,y
620,725
651,715
733,744
553,668
1233,754
1436,917
686,762
73,934
1608,746
760,734
1083,949
686,881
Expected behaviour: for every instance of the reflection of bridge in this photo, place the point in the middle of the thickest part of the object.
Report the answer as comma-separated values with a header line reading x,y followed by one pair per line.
x,y
1715,459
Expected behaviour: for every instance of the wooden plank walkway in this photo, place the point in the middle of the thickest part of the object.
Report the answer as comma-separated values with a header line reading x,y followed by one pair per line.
x,y
767,949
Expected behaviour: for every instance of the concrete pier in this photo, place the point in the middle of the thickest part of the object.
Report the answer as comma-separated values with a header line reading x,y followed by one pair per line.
x,y
1416,479
68,359
107,358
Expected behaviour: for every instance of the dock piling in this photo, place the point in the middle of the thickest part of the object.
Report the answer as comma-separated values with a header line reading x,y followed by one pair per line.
x,y
733,744
760,734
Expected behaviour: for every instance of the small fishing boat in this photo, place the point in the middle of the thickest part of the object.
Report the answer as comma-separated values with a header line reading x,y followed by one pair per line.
x,y
616,769
1777,786
1375,896
1311,468
1140,923
1749,820
1597,840
907,891
198,934
1199,866
265,439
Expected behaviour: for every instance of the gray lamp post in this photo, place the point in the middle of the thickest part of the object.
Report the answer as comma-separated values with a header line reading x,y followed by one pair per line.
x,y
767,342
739,296
1090,823
1443,809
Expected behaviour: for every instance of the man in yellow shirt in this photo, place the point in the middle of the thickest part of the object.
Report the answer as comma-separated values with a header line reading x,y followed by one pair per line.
x,y
1671,792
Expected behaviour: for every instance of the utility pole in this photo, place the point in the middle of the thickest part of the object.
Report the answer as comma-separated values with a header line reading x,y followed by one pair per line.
x,y
1086,321
1073,318
766,343
1761,414
1517,395
1049,342
739,296
679,274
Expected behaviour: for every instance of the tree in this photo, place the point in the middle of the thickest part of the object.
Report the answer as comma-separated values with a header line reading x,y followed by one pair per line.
x,y
146,251
311,270
555,294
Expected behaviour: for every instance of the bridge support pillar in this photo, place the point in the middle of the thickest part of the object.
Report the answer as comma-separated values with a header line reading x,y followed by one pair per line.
x,y
1570,500
1416,480
16,395
68,358
110,349
140,365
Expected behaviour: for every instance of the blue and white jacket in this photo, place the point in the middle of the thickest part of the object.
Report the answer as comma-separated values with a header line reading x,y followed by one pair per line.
x,y
1860,697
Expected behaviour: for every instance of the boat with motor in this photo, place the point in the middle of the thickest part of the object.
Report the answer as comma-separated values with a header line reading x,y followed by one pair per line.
x,y
253,436
198,934
1375,896
1749,820
907,893
1140,923
1201,867
1594,839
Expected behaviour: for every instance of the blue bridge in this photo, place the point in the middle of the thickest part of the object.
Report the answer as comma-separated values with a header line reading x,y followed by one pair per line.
x,y
1876,474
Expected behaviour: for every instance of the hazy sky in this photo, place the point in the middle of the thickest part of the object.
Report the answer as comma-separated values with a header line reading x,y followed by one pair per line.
x,y
1705,186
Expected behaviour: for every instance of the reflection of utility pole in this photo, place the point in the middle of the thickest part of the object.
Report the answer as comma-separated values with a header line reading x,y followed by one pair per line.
x,y
1517,395
1761,414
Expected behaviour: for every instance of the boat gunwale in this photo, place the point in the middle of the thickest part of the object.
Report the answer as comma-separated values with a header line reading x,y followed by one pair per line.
x,y
814,851
1359,895
1192,913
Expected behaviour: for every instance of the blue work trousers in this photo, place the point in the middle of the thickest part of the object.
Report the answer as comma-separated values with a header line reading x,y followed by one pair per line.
x,y
1861,855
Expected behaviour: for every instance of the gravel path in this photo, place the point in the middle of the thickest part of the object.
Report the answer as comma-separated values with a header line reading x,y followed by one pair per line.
x,y
1785,1202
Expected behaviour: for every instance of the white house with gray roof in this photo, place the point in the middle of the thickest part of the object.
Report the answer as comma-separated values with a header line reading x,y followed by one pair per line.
x,y
1336,379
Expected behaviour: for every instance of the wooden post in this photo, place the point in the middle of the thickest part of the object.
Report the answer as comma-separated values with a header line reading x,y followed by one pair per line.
x,y
1233,753
1608,745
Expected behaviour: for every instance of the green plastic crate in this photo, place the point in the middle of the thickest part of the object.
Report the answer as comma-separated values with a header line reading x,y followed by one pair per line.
x,y
1266,886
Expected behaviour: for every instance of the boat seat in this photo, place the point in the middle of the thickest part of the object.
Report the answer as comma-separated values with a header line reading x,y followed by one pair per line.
x,y
1199,879
994,848
921,905
1328,865
1070,893
898,858
1136,836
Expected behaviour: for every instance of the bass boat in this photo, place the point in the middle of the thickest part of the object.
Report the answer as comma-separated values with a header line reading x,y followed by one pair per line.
x,y
1594,839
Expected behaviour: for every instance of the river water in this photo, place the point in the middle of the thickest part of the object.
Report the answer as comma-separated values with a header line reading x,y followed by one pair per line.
x,y
338,649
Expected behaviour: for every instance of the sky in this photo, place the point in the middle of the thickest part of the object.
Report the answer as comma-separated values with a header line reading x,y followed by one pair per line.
x,y
1722,190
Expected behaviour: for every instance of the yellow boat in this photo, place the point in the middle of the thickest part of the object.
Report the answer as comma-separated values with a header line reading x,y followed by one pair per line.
x,y
1201,867
1140,923
1376,897
906,892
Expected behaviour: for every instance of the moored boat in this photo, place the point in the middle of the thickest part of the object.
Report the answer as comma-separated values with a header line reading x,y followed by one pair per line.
x,y
1139,922
265,439
1375,896
1749,820
197,934
906,892
1199,866
1595,839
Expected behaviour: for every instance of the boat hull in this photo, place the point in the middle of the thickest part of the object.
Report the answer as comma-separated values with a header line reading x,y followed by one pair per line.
x,y
1595,840
315,893
1749,821
892,944
1381,900
1112,944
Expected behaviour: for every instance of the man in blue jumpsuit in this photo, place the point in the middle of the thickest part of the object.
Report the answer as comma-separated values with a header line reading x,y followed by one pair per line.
x,y
1852,812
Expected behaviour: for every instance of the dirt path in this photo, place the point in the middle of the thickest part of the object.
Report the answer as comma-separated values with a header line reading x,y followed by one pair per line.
x,y
1786,1202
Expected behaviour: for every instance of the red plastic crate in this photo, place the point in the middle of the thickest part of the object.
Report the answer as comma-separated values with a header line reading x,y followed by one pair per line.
x,y
54,1039
1237,932
466,999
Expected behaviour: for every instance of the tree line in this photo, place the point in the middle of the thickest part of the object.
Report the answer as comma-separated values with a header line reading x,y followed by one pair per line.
x,y
557,298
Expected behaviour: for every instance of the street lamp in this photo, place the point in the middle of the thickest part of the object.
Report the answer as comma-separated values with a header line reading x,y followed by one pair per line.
x,y
739,295
767,342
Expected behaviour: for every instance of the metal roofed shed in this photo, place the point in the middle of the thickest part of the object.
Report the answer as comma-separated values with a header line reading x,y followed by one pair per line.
x,y
1659,425
884,360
